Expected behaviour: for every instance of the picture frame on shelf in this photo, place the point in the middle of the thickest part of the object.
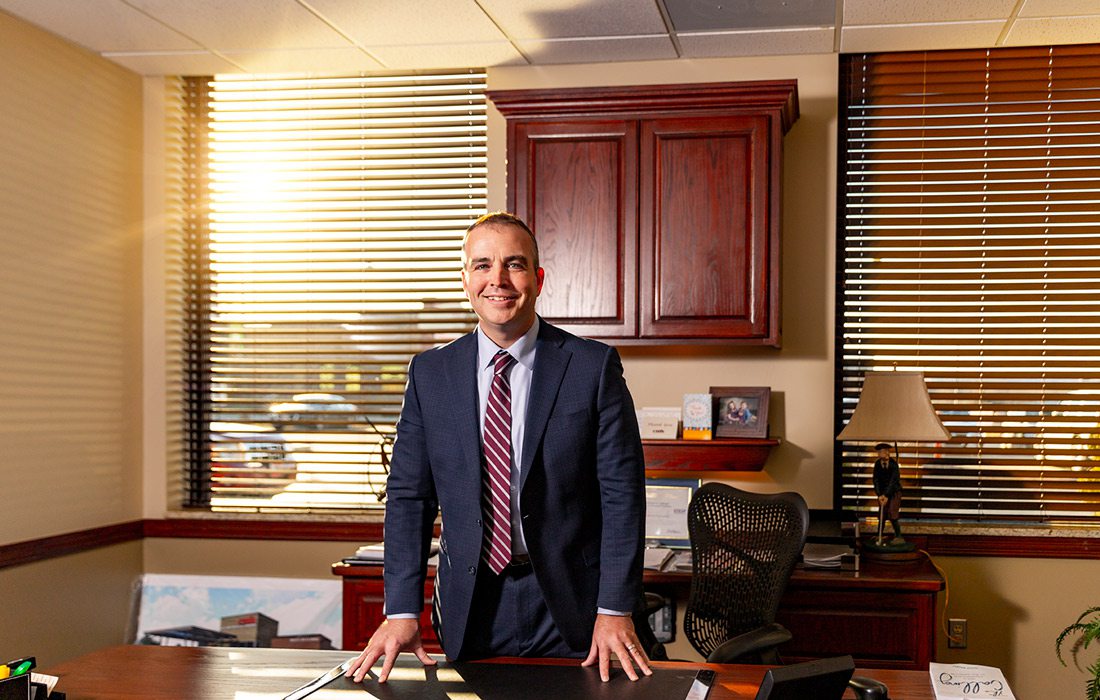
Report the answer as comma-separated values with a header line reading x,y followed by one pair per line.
x,y
741,411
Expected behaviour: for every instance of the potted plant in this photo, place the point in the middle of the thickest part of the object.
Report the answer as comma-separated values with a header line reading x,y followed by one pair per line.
x,y
1088,630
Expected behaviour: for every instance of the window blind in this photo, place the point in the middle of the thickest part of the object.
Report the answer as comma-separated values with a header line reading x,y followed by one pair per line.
x,y
328,245
969,249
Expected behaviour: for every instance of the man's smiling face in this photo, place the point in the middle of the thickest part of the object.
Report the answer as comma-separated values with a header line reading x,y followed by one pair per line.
x,y
501,280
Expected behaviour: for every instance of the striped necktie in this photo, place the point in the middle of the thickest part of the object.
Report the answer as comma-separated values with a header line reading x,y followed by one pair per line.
x,y
496,480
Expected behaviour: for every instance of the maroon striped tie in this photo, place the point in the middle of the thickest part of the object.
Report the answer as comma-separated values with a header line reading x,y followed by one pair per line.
x,y
496,481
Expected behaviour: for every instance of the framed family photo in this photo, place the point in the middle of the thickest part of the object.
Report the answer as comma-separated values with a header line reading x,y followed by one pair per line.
x,y
741,411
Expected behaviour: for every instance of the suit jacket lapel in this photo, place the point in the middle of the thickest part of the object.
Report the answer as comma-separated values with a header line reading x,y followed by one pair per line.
x,y
462,375
551,359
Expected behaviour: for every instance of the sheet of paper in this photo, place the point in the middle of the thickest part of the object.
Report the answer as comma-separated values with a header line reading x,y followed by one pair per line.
x,y
968,682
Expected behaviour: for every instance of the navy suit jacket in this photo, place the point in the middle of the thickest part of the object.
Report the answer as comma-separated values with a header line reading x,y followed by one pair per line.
x,y
582,497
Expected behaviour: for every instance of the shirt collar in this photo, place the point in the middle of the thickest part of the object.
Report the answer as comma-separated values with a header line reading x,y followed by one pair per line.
x,y
523,349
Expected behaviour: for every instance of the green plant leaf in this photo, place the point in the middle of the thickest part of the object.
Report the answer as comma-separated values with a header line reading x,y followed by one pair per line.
x,y
1075,627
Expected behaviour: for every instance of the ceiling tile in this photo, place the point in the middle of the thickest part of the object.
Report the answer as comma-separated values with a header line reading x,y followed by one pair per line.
x,y
100,25
394,22
1059,8
428,56
711,15
245,24
182,63
609,48
1058,30
560,19
313,61
777,42
918,37
924,11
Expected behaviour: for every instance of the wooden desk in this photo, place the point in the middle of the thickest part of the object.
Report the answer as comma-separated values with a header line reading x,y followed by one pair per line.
x,y
218,673
883,615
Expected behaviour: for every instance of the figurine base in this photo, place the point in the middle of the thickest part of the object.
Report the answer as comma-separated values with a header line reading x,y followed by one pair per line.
x,y
895,550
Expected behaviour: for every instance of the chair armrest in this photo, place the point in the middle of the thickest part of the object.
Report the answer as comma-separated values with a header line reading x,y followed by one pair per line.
x,y
755,642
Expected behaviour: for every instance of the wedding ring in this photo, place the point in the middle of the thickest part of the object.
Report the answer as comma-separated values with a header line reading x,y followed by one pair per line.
x,y
631,648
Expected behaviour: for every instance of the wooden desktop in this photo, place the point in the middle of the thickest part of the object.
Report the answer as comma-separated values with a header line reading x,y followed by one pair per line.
x,y
226,673
883,615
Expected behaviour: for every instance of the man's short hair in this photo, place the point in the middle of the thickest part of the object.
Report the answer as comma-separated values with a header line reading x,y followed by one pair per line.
x,y
883,446
502,218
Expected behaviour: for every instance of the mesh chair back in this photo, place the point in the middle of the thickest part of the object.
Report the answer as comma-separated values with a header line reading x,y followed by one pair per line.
x,y
743,549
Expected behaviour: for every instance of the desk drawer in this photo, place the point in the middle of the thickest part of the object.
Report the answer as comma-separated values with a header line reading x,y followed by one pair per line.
x,y
879,629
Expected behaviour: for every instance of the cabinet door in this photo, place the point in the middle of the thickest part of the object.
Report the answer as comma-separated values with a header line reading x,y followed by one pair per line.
x,y
708,249
575,184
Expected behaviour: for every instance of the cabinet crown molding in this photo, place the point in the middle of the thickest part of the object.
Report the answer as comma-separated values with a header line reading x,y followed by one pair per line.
x,y
779,96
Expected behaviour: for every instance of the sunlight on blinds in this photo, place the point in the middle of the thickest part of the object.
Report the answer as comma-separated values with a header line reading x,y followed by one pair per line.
x,y
337,208
970,251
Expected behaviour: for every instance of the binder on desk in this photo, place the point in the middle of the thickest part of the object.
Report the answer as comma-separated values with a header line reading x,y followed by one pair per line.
x,y
16,688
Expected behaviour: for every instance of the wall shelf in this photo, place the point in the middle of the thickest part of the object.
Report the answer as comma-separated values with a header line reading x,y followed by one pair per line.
x,y
720,454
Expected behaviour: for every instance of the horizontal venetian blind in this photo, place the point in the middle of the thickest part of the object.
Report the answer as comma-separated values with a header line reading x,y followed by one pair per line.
x,y
337,208
969,249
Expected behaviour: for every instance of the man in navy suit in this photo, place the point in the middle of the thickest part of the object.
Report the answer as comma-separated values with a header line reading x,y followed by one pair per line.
x,y
574,566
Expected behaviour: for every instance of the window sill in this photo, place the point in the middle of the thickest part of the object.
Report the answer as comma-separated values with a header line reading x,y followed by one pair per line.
x,y
335,527
1041,541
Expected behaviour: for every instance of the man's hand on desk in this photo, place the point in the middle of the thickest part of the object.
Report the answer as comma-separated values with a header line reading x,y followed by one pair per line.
x,y
390,639
615,635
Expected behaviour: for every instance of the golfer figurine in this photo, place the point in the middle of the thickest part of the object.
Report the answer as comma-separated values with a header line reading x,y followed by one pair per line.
x,y
887,482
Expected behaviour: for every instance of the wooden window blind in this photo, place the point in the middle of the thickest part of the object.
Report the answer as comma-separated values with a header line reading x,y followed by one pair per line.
x,y
969,249
327,217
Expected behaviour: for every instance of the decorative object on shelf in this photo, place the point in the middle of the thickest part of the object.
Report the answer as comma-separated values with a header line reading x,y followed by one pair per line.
x,y
698,417
741,411
893,407
661,423
1088,630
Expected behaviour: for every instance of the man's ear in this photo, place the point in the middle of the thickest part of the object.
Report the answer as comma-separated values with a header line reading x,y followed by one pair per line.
x,y
540,275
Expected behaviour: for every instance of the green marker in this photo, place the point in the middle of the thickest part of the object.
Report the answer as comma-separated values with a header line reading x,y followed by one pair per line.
x,y
22,668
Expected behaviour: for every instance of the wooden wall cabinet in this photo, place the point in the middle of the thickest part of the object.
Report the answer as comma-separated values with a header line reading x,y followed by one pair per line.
x,y
656,208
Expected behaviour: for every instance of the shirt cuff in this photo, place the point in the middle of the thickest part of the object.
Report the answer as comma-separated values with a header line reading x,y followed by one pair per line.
x,y
402,616
616,613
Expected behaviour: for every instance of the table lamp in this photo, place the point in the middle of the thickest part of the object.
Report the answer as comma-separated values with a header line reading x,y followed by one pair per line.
x,y
893,407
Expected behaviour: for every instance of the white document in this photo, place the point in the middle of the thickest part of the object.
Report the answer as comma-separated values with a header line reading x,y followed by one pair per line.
x,y
968,682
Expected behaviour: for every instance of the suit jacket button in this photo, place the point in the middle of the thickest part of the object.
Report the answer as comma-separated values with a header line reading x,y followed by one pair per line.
x,y
471,570
478,521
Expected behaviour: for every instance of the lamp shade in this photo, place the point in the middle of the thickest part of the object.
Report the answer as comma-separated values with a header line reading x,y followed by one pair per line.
x,y
894,407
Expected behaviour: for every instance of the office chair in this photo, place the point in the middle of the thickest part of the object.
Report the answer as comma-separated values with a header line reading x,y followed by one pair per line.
x,y
743,549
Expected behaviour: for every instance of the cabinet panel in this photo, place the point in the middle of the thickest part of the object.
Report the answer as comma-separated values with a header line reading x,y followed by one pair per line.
x,y
705,228
578,194
364,610
656,205
884,630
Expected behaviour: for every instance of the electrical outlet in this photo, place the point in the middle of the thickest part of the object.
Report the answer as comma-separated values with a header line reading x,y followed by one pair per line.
x,y
956,633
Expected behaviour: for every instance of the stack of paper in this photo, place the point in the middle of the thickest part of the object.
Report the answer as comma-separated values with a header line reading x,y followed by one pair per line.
x,y
826,556
375,553
968,682
655,558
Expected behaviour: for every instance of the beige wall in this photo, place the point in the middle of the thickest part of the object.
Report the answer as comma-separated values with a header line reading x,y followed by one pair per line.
x,y
70,417
800,373
70,238
1015,609
61,608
